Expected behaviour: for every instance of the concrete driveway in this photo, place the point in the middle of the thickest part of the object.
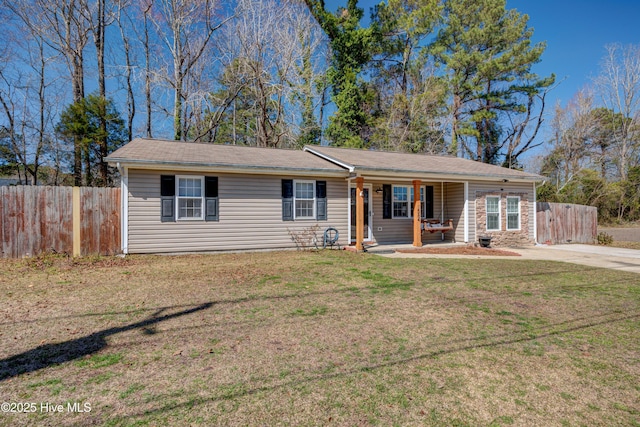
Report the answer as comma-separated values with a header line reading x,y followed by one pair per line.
x,y
591,255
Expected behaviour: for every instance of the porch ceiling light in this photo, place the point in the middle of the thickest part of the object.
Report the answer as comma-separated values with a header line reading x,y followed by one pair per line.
x,y
379,190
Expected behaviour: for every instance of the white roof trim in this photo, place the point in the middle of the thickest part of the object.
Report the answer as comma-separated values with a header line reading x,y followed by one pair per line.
x,y
253,170
351,168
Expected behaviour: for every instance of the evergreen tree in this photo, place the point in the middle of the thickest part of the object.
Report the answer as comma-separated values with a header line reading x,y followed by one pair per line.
x,y
351,47
487,53
411,97
83,121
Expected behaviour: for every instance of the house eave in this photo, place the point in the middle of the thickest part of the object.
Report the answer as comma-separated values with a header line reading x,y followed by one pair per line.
x,y
374,173
225,168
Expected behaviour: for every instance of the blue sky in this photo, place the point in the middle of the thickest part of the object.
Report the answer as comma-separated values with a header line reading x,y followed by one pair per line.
x,y
576,33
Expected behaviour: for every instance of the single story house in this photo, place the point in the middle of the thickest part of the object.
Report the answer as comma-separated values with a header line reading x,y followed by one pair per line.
x,y
186,197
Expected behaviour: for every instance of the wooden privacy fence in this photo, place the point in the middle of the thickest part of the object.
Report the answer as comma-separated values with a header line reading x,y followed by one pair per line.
x,y
71,220
566,223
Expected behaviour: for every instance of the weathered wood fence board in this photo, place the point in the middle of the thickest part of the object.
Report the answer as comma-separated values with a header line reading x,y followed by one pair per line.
x,y
36,220
566,223
100,220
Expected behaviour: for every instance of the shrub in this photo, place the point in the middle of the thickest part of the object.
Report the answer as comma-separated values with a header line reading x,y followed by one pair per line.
x,y
604,238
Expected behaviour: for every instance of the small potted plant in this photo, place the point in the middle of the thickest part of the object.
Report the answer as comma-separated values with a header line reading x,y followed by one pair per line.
x,y
485,241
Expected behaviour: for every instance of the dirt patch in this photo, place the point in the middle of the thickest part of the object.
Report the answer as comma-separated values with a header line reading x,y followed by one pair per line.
x,y
462,250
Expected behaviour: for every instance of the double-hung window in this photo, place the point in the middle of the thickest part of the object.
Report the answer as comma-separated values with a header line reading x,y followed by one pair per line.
x,y
305,199
493,213
404,201
401,202
190,196
513,213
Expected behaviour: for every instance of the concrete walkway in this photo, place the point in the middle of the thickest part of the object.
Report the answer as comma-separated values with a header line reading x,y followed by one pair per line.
x,y
591,255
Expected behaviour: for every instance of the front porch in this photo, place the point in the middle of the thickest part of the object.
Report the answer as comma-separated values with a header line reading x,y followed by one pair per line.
x,y
383,212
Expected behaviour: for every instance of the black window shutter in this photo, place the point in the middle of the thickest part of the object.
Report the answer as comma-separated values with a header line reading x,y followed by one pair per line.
x,y
167,198
211,198
386,201
287,200
428,202
321,199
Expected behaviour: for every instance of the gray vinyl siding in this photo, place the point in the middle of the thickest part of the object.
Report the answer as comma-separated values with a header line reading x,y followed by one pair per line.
x,y
250,215
507,187
455,207
400,230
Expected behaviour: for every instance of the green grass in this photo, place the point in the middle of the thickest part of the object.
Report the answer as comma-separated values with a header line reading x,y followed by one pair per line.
x,y
319,338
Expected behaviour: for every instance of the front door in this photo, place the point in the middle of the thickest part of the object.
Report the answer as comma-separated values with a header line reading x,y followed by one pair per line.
x,y
367,214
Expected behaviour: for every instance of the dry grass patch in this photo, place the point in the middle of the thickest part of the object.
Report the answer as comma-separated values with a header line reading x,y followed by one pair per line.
x,y
625,245
459,250
317,338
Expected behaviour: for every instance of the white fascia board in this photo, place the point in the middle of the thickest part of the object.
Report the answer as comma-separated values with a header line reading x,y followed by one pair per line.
x,y
350,168
258,170
435,176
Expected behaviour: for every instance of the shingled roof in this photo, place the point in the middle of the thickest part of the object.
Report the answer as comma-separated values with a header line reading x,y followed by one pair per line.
x,y
179,155
165,154
369,162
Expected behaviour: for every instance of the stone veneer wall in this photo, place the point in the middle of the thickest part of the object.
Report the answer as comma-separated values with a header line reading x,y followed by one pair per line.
x,y
503,237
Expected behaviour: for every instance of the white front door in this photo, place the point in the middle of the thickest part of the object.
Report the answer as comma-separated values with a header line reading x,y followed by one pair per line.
x,y
368,213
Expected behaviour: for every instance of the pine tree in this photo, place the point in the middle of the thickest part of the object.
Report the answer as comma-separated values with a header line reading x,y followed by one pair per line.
x,y
487,53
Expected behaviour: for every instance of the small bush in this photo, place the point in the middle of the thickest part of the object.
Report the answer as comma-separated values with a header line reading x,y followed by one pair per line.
x,y
604,238
306,238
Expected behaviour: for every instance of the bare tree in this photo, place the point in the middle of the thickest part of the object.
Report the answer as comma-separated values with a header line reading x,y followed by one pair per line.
x,y
185,28
28,98
124,22
269,83
618,88
520,135
572,128
64,27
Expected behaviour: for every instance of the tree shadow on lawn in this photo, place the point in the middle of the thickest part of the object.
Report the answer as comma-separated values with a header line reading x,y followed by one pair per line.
x,y
454,346
53,354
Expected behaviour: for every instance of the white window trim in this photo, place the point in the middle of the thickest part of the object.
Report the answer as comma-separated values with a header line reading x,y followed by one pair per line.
x,y
486,211
315,201
409,201
519,213
178,197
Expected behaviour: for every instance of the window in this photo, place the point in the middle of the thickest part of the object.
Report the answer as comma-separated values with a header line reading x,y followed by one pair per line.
x,y
513,213
304,199
190,196
493,213
401,202
396,199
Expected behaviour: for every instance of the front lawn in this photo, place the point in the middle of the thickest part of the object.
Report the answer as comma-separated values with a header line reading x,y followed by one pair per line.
x,y
317,338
